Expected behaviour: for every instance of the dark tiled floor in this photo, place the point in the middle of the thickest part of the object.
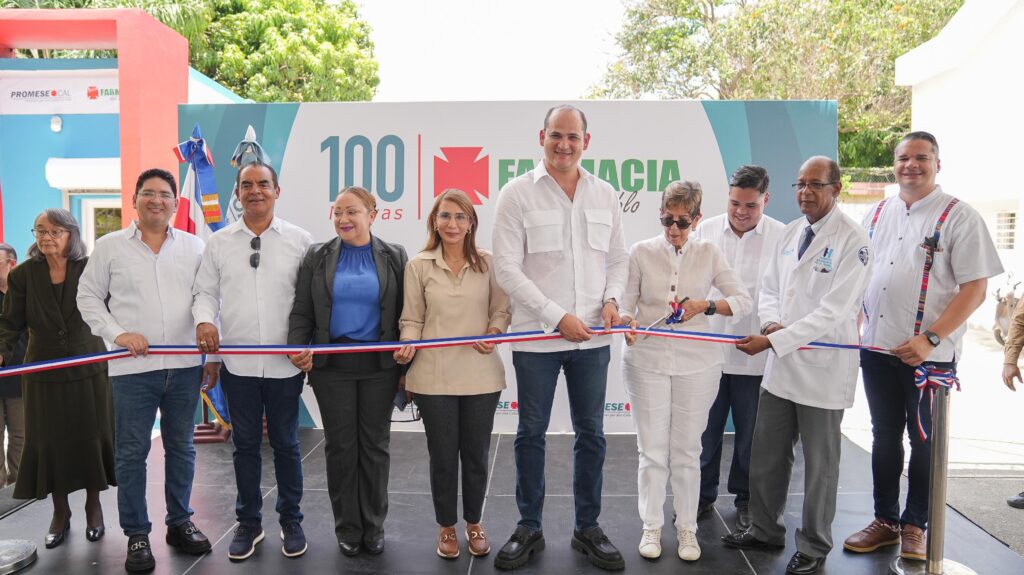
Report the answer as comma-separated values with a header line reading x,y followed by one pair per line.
x,y
411,528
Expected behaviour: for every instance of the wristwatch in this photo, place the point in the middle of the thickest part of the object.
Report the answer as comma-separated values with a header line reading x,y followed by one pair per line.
x,y
612,301
933,338
712,308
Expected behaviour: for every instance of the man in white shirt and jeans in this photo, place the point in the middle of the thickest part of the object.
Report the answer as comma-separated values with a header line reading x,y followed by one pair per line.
x,y
560,254
748,238
247,281
136,291
920,323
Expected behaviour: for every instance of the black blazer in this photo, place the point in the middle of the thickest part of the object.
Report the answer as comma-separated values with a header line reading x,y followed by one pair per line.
x,y
55,329
310,320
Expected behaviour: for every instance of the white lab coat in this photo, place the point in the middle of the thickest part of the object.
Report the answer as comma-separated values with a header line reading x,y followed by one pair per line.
x,y
816,298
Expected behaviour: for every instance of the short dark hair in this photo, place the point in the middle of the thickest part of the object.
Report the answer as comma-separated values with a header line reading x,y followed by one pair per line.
x,y
10,251
273,172
583,117
926,136
750,176
156,173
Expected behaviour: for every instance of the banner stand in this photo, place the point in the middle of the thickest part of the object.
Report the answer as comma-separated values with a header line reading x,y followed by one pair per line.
x,y
15,555
935,564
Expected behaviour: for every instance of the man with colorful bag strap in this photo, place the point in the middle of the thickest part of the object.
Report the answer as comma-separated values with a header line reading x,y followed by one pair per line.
x,y
933,257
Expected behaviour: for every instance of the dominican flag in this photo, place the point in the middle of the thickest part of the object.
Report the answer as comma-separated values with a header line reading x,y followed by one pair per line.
x,y
199,207
199,214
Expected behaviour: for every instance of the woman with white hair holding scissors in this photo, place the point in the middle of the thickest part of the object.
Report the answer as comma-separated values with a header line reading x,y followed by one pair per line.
x,y
672,383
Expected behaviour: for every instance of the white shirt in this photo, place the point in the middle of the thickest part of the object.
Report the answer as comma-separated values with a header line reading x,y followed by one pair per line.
x,y
966,253
698,266
555,256
816,298
150,294
253,305
748,256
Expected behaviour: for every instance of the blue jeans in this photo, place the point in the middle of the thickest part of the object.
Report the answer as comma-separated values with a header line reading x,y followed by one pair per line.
x,y
586,377
893,402
739,394
248,399
137,397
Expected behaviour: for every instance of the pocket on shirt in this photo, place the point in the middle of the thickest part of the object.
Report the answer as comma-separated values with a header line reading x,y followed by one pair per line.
x,y
818,284
599,229
543,231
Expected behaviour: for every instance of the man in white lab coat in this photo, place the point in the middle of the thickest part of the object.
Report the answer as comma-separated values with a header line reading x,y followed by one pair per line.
x,y
812,292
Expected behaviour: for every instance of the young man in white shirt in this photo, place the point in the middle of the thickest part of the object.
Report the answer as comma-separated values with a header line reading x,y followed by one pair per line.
x,y
812,292
559,253
136,291
919,315
747,237
247,281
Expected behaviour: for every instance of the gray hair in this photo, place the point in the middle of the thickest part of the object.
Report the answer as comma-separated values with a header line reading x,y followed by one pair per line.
x,y
12,254
686,194
62,218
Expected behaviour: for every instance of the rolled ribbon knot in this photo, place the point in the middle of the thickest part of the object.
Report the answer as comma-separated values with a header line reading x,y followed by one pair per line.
x,y
928,378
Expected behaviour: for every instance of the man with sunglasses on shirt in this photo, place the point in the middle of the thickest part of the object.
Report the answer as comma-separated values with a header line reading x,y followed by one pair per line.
x,y
747,237
246,282
934,257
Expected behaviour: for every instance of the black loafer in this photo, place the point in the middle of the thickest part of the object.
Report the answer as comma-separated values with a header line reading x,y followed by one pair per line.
x,y
350,549
187,537
1017,501
744,540
54,539
801,564
374,545
140,555
595,544
520,548
95,533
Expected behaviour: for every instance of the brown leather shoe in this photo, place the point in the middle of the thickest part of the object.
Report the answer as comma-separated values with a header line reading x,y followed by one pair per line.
x,y
878,534
476,540
913,543
447,543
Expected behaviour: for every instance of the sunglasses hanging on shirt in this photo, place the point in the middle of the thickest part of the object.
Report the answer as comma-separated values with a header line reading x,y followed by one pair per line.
x,y
254,259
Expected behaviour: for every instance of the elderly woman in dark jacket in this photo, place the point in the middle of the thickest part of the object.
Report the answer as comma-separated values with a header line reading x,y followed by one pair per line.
x,y
350,290
69,428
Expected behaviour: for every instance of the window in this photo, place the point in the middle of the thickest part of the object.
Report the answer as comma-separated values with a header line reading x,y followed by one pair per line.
x,y
1006,230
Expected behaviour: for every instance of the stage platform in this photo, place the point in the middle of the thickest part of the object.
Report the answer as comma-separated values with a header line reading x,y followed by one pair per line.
x,y
411,531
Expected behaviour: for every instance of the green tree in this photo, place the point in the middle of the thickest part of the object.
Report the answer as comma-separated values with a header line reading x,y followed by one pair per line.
x,y
265,50
781,49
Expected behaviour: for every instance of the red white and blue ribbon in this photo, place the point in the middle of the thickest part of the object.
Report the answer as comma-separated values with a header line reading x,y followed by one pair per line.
x,y
389,346
928,378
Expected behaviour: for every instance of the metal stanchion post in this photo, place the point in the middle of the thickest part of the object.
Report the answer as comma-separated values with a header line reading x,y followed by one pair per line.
x,y
15,555
935,564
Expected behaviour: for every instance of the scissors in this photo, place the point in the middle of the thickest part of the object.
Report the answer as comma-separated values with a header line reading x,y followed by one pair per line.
x,y
675,315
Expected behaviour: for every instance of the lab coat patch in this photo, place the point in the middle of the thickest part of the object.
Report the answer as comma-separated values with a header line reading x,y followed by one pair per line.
x,y
863,255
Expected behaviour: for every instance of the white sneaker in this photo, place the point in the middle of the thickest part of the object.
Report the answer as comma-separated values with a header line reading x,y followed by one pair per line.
x,y
650,544
689,550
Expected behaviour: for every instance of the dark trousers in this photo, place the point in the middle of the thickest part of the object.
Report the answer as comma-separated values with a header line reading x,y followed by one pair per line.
x,y
458,430
356,412
248,399
736,393
586,377
893,402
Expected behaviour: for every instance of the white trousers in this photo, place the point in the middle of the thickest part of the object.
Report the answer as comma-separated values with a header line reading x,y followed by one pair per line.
x,y
670,413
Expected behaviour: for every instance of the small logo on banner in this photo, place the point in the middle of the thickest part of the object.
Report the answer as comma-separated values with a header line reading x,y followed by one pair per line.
x,y
464,169
507,407
617,409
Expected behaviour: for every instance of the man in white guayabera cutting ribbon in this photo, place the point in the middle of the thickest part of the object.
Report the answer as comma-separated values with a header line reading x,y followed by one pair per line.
x,y
812,292
560,254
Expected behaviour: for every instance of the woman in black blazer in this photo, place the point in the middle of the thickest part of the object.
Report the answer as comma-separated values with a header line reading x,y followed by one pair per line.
x,y
69,424
349,290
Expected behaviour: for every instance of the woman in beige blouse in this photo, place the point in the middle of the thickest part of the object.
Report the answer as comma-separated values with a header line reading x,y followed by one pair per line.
x,y
450,291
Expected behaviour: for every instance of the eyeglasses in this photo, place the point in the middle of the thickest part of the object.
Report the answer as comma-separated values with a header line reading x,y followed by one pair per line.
x,y
254,259
460,218
150,194
40,233
816,186
682,224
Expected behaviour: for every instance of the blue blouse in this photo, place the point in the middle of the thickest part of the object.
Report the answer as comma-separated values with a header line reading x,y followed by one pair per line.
x,y
355,312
